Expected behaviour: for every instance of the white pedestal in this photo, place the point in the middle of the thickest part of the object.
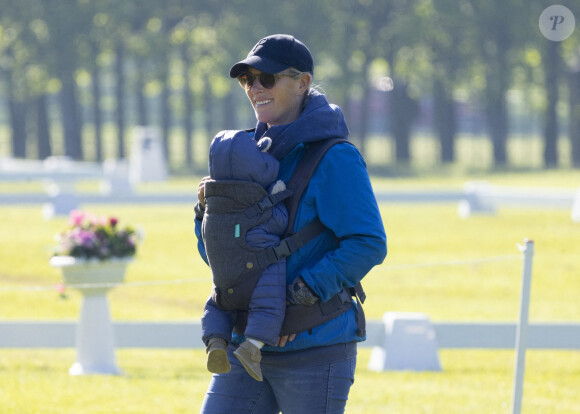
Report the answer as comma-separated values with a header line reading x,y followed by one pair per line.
x,y
95,343
147,159
477,199
409,343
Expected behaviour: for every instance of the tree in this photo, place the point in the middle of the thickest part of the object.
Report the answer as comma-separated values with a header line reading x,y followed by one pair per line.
x,y
499,29
15,58
552,68
63,33
449,41
18,110
363,34
574,109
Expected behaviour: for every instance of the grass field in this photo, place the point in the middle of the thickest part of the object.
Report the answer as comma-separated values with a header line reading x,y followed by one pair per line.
x,y
420,274
174,382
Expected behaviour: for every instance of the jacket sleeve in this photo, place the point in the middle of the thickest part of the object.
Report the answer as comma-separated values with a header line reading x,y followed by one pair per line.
x,y
341,195
200,245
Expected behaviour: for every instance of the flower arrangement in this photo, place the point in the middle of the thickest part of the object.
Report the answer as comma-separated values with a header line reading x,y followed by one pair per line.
x,y
92,237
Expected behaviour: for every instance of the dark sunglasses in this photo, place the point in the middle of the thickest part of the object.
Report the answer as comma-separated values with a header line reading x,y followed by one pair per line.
x,y
267,80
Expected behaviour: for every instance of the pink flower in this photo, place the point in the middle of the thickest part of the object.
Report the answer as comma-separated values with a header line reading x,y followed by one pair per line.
x,y
91,236
76,218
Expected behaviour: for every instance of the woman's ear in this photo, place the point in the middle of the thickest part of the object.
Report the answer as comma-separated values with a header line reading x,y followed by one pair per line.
x,y
305,81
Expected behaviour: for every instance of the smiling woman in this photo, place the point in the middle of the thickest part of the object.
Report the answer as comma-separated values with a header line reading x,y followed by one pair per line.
x,y
310,368
284,68
277,98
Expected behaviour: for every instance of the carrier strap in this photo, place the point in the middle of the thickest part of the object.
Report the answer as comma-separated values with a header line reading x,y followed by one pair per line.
x,y
360,296
300,318
267,202
313,154
290,244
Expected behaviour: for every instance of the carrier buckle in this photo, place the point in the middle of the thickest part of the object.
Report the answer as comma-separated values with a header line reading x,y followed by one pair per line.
x,y
282,250
264,204
344,296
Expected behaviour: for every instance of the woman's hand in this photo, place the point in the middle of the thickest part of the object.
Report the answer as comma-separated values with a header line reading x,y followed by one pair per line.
x,y
201,190
283,340
299,293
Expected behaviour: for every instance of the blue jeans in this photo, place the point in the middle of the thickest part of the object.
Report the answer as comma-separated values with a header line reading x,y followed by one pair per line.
x,y
314,381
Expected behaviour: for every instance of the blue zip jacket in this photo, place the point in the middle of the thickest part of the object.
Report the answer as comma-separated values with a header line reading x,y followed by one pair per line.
x,y
341,196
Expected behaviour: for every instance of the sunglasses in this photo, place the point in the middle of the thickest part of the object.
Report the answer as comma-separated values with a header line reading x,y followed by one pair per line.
x,y
267,80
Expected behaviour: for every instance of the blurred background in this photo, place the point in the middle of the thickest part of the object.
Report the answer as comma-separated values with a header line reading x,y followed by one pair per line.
x,y
476,84
479,92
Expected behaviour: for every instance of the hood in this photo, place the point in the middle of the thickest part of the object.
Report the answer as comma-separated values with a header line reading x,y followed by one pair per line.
x,y
318,121
234,155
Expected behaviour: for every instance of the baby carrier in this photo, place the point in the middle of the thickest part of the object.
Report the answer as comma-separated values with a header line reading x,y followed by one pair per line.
x,y
234,207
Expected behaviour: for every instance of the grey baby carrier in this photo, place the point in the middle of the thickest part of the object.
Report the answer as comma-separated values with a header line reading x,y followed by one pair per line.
x,y
233,208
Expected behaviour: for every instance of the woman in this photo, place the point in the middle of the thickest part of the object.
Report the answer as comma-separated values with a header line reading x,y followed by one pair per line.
x,y
310,371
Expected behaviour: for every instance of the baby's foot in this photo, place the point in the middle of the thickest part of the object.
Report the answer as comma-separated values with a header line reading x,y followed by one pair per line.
x,y
217,356
250,357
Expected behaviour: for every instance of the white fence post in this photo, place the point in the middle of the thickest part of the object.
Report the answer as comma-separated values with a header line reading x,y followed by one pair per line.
x,y
522,329
408,342
576,208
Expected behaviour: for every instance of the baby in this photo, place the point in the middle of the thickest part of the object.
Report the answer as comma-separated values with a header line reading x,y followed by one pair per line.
x,y
235,156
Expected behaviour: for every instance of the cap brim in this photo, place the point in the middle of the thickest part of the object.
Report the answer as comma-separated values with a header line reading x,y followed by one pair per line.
x,y
260,63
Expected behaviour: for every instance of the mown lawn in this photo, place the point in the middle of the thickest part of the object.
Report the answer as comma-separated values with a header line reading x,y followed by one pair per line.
x,y
439,264
174,381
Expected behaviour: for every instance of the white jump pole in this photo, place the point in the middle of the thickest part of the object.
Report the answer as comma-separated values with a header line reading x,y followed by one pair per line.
x,y
522,331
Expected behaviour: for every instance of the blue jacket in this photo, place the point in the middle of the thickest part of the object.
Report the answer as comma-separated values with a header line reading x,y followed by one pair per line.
x,y
341,196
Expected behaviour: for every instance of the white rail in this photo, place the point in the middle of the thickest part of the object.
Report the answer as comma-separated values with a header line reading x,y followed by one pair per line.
x,y
172,334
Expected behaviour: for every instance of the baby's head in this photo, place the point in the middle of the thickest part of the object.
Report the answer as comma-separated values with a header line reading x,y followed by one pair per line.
x,y
235,155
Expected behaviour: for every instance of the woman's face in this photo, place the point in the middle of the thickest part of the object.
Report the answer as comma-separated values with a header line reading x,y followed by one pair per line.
x,y
282,103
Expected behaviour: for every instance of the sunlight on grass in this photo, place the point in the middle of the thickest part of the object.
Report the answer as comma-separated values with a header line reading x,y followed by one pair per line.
x,y
174,381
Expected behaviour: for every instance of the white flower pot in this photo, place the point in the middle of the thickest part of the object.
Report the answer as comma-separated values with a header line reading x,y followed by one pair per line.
x,y
95,343
91,276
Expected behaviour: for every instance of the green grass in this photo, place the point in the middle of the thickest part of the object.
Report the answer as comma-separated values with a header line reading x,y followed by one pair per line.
x,y
163,381
173,381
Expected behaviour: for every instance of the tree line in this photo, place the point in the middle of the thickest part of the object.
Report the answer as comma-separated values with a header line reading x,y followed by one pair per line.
x,y
68,68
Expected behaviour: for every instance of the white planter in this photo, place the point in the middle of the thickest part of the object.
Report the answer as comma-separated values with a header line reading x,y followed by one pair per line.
x,y
95,343
91,276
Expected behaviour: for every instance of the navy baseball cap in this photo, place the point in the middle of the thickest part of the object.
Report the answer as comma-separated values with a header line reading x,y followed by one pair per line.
x,y
273,54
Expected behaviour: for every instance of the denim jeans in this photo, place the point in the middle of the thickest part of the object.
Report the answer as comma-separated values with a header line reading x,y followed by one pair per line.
x,y
307,382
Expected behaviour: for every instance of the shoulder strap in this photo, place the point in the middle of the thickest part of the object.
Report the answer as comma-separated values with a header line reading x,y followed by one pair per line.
x,y
292,241
313,154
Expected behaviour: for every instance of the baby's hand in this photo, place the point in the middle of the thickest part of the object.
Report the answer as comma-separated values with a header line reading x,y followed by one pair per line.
x,y
201,190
